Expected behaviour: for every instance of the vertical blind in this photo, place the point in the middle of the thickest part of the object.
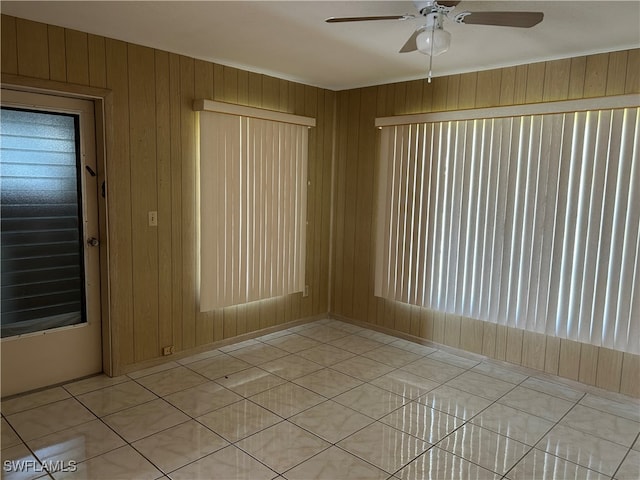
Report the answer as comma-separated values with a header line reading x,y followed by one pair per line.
x,y
529,221
253,198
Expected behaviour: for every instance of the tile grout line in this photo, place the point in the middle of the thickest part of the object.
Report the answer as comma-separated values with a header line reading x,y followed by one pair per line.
x,y
326,399
409,399
625,456
302,411
254,365
546,433
126,442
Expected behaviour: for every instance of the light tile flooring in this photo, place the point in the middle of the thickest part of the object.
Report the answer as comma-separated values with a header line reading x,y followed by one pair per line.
x,y
323,400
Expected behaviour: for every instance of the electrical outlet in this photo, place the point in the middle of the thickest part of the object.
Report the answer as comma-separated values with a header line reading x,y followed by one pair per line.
x,y
168,350
153,219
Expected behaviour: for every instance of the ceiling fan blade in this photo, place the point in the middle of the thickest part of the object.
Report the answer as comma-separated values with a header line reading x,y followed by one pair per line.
x,y
411,45
448,4
501,19
366,19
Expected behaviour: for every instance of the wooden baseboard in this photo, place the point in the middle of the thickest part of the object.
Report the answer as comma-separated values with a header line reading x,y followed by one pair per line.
x,y
221,343
596,369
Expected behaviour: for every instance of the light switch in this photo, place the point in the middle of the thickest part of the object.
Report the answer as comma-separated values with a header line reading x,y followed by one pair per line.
x,y
153,219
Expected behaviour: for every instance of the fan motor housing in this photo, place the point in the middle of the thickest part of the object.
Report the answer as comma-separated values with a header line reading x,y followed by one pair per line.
x,y
428,7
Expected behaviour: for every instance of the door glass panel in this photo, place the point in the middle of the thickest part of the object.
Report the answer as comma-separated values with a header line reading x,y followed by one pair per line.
x,y
42,279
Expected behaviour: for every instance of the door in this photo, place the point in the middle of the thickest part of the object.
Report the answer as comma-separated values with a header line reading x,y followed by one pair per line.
x,y
50,258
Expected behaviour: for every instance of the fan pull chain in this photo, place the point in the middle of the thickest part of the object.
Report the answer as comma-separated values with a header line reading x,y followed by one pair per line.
x,y
431,55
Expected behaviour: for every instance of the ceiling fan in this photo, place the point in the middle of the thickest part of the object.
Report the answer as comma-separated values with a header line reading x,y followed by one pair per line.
x,y
432,39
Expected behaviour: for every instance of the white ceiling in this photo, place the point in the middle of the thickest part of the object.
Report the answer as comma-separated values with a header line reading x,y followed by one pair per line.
x,y
289,39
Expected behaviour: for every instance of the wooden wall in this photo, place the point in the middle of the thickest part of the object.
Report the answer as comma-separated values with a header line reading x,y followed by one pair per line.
x,y
151,165
356,165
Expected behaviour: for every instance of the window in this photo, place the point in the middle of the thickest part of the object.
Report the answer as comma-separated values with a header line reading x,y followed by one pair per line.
x,y
42,252
523,218
253,200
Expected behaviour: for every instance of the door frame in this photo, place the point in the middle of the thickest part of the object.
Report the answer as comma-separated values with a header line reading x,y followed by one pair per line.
x,y
103,110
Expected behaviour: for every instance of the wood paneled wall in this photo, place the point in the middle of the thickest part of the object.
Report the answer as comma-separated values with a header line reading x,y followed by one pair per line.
x,y
151,165
356,167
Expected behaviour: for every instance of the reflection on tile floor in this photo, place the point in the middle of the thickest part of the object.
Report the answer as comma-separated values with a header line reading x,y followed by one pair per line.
x,y
325,400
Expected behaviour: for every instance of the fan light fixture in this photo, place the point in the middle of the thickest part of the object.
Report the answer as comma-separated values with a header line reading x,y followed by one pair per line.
x,y
433,41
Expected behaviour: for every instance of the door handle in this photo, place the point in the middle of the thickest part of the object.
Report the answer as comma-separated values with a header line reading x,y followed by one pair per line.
x,y
93,242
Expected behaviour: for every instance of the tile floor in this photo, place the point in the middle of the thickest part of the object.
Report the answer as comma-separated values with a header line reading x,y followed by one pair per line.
x,y
323,400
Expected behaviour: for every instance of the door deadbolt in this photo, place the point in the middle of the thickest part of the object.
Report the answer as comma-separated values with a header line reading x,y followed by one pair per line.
x,y
93,242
